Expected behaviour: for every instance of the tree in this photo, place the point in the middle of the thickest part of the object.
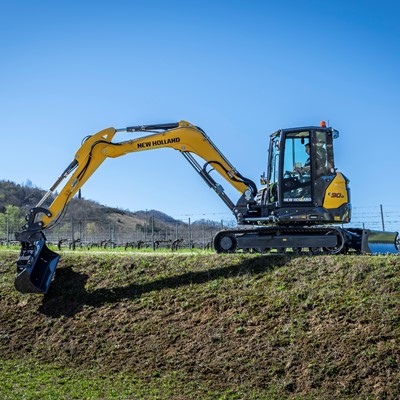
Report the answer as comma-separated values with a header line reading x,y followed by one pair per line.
x,y
10,221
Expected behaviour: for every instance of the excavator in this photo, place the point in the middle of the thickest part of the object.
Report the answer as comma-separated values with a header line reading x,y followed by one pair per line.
x,y
301,207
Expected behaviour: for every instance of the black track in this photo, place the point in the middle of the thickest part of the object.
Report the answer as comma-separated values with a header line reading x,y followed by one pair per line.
x,y
300,239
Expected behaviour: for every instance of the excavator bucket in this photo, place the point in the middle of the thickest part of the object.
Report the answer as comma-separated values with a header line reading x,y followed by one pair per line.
x,y
35,267
379,242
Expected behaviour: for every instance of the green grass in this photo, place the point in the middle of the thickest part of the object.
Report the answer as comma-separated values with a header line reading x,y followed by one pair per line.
x,y
204,326
30,380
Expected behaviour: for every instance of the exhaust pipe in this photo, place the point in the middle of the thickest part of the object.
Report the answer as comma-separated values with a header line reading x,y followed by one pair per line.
x,y
36,266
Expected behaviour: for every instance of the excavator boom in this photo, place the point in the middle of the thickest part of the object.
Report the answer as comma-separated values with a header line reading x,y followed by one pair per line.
x,y
37,263
182,136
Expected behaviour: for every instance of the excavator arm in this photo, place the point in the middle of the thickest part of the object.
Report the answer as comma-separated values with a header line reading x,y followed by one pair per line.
x,y
36,264
182,136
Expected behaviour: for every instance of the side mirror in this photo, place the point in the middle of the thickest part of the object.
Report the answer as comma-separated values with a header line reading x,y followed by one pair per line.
x,y
335,133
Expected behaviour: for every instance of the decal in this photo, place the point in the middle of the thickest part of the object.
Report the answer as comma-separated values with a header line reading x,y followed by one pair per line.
x,y
336,195
299,199
159,142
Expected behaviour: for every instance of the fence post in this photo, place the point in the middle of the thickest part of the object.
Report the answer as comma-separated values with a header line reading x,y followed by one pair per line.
x,y
383,220
145,227
152,232
8,229
190,234
73,233
80,229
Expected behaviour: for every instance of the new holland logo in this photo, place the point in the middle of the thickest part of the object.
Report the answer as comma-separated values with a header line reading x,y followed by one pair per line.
x,y
160,142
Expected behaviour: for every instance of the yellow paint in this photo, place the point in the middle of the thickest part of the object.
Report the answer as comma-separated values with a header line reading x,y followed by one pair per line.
x,y
185,138
336,194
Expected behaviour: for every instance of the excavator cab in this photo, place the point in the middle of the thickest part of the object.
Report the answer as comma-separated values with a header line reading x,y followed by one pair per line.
x,y
303,185
304,188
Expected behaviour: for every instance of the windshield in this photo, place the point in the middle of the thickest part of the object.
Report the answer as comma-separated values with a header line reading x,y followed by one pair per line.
x,y
297,151
297,167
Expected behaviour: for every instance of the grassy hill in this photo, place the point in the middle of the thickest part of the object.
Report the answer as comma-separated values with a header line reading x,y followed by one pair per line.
x,y
204,326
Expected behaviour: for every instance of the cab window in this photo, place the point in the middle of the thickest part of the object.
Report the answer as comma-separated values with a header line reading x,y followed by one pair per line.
x,y
323,153
296,183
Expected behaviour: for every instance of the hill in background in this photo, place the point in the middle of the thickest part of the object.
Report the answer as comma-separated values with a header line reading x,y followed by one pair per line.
x,y
93,222
26,196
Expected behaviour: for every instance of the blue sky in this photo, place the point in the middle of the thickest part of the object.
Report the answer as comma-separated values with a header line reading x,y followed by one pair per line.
x,y
238,69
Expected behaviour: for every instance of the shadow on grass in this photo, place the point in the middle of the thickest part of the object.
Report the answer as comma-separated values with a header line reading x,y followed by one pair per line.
x,y
67,295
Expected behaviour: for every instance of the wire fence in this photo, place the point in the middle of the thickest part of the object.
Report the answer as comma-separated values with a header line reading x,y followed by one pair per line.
x,y
100,233
188,232
385,218
151,234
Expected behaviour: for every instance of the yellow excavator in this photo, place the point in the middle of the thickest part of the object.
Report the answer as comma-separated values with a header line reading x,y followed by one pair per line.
x,y
301,207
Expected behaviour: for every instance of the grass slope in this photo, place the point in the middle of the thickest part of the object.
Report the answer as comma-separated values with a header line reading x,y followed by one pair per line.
x,y
204,326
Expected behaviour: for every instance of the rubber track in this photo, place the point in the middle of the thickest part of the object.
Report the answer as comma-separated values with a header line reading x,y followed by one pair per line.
x,y
282,230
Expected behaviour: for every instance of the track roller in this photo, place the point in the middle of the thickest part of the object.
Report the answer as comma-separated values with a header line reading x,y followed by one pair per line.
x,y
225,242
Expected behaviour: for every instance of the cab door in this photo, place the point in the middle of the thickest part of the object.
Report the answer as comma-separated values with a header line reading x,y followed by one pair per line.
x,y
297,168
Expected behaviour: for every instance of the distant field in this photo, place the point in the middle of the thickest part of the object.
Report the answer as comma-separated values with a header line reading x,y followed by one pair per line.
x,y
118,325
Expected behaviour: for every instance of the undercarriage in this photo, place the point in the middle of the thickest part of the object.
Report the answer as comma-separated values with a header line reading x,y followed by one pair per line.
x,y
305,240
